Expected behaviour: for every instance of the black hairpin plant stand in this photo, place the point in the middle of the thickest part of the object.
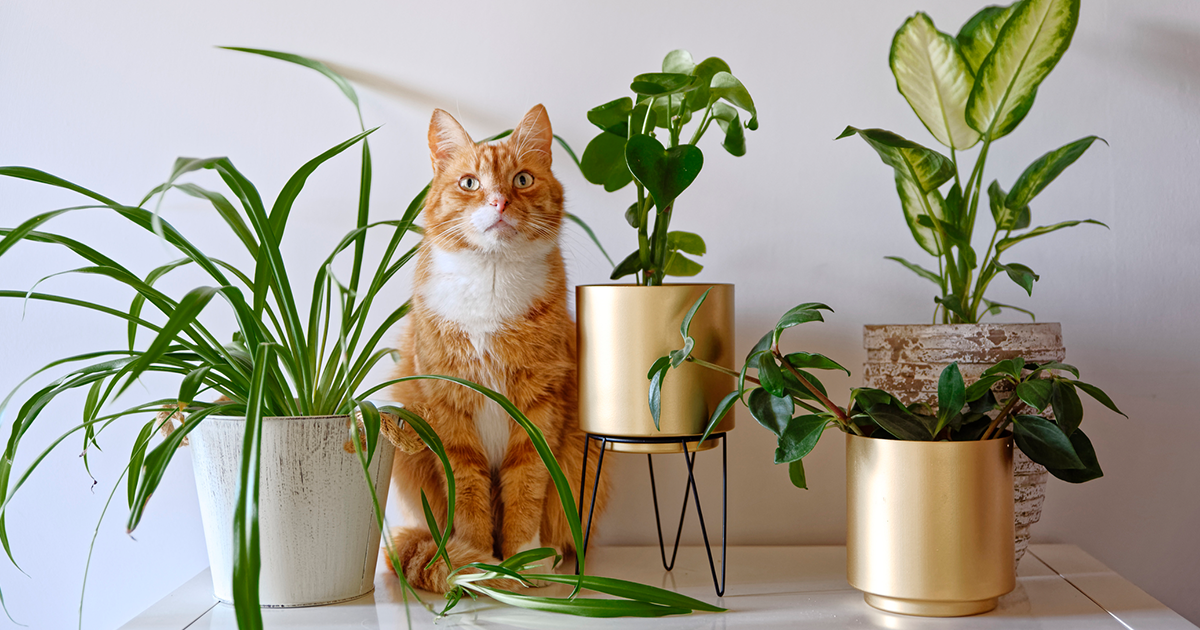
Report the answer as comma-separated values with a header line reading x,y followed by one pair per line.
x,y
690,457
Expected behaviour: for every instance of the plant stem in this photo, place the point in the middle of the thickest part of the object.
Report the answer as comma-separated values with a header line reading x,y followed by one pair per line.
x,y
997,425
735,374
828,404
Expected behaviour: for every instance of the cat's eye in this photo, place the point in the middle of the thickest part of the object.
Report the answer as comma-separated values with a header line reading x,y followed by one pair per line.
x,y
469,183
523,180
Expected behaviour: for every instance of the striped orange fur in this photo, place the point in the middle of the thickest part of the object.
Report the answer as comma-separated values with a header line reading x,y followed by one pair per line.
x,y
489,305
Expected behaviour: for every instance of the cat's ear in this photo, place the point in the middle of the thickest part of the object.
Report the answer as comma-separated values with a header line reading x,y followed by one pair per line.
x,y
446,137
533,136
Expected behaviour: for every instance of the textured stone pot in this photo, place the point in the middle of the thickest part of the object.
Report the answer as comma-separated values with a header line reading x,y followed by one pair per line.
x,y
929,524
317,529
907,360
622,330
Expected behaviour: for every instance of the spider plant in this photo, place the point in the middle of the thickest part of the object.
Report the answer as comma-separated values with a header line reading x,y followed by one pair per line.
x,y
283,360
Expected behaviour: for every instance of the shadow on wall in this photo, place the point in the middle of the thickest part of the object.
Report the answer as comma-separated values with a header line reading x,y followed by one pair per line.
x,y
419,99
1166,53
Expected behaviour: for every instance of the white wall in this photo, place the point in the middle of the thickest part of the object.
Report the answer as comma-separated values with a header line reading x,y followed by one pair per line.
x,y
108,94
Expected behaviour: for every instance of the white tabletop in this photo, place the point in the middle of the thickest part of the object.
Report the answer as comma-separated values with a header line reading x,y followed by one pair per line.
x,y
1059,587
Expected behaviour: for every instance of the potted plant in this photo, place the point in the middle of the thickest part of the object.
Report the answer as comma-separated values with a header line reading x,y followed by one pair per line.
x,y
290,395
971,89
651,140
929,509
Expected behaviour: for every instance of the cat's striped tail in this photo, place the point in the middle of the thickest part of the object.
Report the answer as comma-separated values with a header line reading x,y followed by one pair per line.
x,y
415,547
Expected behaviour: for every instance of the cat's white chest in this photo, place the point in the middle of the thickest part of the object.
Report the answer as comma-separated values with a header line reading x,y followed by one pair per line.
x,y
482,292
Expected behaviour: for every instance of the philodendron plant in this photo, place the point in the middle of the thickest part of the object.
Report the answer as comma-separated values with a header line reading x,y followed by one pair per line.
x,y
790,402
973,89
629,149
285,359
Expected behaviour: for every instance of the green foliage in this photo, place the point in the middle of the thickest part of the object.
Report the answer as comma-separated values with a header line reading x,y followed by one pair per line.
x,y
794,406
629,149
973,88
283,360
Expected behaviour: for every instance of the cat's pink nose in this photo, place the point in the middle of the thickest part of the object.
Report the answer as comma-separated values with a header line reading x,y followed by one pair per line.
x,y
500,202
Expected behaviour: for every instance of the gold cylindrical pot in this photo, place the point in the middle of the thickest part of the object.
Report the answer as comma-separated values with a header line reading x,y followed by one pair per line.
x,y
622,330
929,525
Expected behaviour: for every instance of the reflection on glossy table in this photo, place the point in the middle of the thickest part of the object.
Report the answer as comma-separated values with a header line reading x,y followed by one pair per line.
x,y
1059,587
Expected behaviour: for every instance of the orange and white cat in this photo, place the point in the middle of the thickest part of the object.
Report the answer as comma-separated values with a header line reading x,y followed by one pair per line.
x,y
489,305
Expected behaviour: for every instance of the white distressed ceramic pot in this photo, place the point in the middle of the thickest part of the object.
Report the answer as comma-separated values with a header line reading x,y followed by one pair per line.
x,y
317,527
908,360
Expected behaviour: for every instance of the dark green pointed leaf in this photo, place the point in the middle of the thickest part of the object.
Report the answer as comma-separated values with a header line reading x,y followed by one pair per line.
x,y
796,474
1068,409
665,173
954,210
935,79
630,265
917,269
657,373
763,345
806,360
1055,365
1027,48
902,423
994,308
770,375
799,438
1006,243
1006,218
719,413
1022,275
797,389
1035,392
1044,169
661,83
1087,454
772,412
1101,397
1045,443
952,394
981,387
686,325
954,304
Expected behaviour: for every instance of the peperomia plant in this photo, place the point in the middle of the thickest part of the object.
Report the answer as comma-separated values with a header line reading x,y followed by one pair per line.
x,y
790,402
968,89
628,149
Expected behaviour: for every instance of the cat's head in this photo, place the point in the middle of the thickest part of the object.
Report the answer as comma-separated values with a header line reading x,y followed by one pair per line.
x,y
494,196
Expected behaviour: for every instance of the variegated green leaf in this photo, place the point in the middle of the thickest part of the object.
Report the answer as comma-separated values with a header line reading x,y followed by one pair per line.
x,y
1027,48
977,37
926,167
917,204
1044,170
935,79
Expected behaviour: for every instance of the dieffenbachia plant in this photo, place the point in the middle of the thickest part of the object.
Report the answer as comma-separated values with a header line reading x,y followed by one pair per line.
x,y
629,149
790,402
284,359
974,88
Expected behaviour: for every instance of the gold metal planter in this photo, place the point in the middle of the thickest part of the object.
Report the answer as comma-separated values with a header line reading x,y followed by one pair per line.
x,y
622,330
929,525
